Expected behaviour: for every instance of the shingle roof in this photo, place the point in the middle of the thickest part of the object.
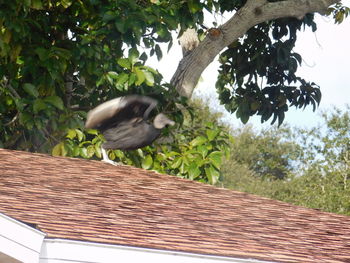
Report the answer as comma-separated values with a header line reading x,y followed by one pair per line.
x,y
93,201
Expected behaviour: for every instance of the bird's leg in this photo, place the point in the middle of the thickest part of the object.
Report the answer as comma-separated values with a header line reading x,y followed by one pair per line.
x,y
152,105
105,157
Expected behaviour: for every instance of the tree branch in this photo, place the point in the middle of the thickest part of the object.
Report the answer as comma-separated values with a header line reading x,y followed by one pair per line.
x,y
252,13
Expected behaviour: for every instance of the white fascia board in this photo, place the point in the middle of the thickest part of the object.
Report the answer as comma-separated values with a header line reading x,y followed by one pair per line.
x,y
64,251
20,241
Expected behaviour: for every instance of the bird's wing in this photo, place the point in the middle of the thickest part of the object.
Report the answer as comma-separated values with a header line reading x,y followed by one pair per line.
x,y
103,112
130,135
114,111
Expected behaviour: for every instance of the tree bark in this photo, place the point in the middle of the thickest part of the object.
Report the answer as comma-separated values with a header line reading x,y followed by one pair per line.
x,y
252,13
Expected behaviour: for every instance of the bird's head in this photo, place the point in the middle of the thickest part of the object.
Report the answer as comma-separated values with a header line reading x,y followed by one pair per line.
x,y
160,121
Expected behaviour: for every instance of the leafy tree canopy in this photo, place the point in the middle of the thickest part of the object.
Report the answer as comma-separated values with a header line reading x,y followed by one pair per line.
x,y
319,174
60,58
258,76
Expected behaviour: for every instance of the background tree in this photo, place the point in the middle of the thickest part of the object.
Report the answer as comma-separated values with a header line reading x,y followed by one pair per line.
x,y
317,164
60,58
326,172
269,153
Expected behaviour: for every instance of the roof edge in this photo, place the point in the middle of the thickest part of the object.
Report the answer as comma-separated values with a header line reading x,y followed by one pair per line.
x,y
62,250
19,241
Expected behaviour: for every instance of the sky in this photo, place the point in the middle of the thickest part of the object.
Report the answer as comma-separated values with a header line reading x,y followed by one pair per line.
x,y
326,61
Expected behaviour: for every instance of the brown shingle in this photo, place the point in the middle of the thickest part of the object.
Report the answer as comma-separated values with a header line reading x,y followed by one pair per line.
x,y
93,201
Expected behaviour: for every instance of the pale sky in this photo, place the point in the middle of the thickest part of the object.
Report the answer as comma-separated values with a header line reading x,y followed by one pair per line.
x,y
326,61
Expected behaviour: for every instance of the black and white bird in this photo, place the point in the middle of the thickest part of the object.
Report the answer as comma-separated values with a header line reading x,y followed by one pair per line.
x,y
124,123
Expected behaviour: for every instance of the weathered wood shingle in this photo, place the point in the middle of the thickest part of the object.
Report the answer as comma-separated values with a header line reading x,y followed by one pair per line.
x,y
93,201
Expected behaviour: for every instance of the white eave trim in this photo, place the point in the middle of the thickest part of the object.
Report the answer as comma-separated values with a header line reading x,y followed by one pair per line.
x,y
64,251
20,241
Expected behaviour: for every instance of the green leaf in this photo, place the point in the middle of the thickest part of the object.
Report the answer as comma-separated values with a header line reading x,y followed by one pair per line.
x,y
244,118
31,89
193,171
100,81
92,131
133,55
164,36
194,6
160,157
124,62
98,152
122,78
90,151
113,75
198,141
171,154
149,78
59,150
119,154
182,167
147,162
108,16
83,153
120,25
140,76
215,158
76,151
37,4
143,57
159,52
26,119
39,105
255,105
140,153
61,52
212,175
152,70
42,53
203,150
6,37
56,151
80,135
71,134
39,123
66,3
177,162
109,79
55,101
132,79
211,134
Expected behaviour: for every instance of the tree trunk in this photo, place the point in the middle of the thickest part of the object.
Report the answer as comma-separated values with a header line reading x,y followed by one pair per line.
x,y
252,13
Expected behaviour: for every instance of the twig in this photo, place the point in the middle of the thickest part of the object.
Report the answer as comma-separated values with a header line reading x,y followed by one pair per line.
x,y
13,120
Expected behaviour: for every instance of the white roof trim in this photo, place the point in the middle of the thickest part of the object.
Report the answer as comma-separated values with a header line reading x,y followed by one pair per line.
x,y
19,241
62,251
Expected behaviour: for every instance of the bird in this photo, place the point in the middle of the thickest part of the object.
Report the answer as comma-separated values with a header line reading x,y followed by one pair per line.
x,y
124,123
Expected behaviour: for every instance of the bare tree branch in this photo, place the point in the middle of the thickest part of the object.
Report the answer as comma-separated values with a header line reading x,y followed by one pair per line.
x,y
13,93
252,13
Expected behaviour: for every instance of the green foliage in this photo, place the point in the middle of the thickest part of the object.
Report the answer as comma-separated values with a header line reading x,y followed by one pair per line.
x,y
269,154
258,73
339,12
319,175
258,76
60,58
327,149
